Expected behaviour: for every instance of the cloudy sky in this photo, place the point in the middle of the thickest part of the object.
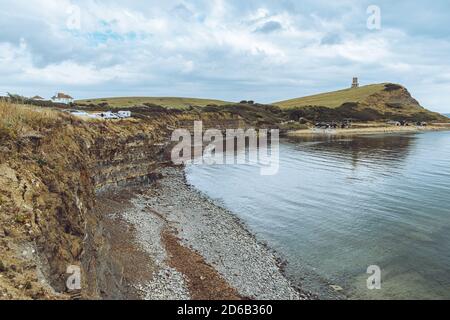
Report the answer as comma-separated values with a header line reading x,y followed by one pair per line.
x,y
230,50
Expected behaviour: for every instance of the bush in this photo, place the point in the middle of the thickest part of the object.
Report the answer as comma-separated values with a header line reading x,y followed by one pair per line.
x,y
211,109
154,107
392,87
422,117
15,98
394,105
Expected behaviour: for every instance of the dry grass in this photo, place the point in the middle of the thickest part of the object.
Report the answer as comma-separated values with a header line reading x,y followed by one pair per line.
x,y
333,99
17,119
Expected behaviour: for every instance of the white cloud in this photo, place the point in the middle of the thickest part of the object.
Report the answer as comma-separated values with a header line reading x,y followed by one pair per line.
x,y
223,49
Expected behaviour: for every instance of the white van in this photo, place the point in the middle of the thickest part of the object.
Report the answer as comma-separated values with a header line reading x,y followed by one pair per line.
x,y
77,113
109,115
124,114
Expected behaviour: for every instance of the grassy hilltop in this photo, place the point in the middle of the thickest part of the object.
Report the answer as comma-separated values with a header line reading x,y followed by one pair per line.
x,y
333,99
169,102
367,103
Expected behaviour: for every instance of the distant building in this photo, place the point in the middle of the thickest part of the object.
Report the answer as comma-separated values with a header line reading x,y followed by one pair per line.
x,y
355,83
62,98
38,98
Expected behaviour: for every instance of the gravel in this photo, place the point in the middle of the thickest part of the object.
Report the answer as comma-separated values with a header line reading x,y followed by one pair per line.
x,y
167,283
212,231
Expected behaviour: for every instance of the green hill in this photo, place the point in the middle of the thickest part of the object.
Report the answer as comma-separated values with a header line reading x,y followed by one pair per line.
x,y
333,99
372,102
385,101
171,102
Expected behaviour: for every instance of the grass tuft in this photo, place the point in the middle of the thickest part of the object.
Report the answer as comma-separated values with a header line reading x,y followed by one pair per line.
x,y
17,119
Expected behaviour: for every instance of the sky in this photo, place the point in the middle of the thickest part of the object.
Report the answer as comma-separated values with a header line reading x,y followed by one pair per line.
x,y
265,51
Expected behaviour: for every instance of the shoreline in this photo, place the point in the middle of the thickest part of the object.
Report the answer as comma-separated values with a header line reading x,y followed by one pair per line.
x,y
198,249
367,130
191,247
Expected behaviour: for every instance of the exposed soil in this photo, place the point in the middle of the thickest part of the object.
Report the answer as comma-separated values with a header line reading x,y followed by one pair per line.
x,y
134,264
204,282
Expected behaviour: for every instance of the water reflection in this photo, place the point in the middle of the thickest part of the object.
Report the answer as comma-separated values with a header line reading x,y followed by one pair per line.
x,y
340,204
387,150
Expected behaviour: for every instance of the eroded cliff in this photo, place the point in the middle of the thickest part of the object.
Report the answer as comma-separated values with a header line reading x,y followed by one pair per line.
x,y
50,175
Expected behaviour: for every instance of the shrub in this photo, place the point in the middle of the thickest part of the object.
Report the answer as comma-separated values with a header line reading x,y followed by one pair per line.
x,y
392,87
211,109
394,105
16,98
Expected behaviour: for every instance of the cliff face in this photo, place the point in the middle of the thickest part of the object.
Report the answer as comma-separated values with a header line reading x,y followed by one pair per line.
x,y
49,178
393,96
48,185
395,101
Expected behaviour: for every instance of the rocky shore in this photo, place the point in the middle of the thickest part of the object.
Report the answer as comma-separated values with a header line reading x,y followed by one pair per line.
x,y
369,130
198,249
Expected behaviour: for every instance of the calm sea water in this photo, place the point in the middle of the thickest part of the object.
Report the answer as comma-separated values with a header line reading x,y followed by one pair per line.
x,y
339,205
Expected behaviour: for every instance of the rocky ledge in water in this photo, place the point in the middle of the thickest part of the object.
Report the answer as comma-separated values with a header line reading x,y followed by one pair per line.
x,y
201,250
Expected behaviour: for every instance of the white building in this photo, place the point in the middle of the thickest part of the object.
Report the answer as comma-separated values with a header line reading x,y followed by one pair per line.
x,y
62,98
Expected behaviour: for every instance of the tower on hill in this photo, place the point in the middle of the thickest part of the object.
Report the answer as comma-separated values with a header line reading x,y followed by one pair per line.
x,y
355,83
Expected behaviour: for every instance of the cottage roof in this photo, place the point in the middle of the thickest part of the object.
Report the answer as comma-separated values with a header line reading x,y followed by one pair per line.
x,y
61,95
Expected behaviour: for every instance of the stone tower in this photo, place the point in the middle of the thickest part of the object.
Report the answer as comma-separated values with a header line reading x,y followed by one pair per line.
x,y
355,83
